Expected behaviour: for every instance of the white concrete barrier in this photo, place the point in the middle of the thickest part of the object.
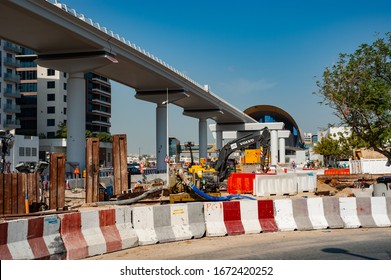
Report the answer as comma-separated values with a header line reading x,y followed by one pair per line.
x,y
348,211
283,215
316,213
214,219
143,223
123,222
379,212
249,216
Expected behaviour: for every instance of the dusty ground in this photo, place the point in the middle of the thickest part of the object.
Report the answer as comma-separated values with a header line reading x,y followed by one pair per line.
x,y
75,199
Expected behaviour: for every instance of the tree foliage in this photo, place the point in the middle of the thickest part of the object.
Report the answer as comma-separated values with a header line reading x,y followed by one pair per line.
x,y
102,136
358,88
337,147
62,130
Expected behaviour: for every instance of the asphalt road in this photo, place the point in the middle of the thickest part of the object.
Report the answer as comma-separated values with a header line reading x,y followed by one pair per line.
x,y
336,244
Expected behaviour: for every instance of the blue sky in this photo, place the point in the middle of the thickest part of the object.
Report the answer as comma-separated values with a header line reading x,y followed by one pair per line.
x,y
248,52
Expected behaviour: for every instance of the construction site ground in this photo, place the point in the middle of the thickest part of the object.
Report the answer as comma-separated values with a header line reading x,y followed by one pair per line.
x,y
331,185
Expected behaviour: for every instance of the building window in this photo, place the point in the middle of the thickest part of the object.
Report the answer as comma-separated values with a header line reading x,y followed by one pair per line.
x,y
51,84
65,86
21,151
34,152
50,135
51,110
50,122
51,97
65,111
65,98
51,72
28,152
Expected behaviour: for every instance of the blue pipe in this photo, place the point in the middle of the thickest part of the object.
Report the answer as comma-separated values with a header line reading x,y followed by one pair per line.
x,y
220,198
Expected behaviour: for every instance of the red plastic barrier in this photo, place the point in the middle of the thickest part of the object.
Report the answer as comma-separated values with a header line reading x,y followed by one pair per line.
x,y
341,171
266,215
239,183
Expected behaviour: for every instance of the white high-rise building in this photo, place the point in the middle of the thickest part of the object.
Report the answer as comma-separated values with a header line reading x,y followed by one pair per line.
x,y
9,86
51,101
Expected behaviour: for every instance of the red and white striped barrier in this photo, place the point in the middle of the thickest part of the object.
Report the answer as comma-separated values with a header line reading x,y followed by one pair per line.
x,y
30,239
239,217
83,234
93,233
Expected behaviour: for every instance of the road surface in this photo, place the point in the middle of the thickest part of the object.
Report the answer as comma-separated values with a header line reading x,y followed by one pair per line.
x,y
335,244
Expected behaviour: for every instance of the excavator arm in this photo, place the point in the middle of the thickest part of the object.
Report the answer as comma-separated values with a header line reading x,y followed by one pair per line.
x,y
263,138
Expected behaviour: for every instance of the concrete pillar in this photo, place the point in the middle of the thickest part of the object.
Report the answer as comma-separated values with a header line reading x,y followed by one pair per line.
x,y
203,138
219,140
161,136
282,150
274,147
76,120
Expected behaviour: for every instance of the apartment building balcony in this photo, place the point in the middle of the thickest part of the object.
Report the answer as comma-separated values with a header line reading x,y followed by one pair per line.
x,y
11,124
100,91
101,123
11,78
101,113
11,108
11,47
12,62
11,93
100,102
101,80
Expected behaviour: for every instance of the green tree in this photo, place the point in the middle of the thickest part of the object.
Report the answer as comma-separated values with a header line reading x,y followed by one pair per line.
x,y
62,130
105,137
328,148
358,88
337,147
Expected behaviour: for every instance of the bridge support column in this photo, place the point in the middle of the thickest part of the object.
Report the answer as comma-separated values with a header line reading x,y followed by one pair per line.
x,y
282,150
273,147
282,135
76,119
203,138
219,140
161,136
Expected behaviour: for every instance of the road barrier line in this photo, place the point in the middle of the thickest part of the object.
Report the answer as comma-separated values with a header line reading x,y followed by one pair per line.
x,y
266,216
232,217
123,222
316,213
364,212
348,211
143,223
249,216
379,211
300,214
214,219
283,213
196,219
332,212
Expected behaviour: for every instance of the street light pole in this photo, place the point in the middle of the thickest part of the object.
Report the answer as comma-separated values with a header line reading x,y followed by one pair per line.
x,y
167,144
